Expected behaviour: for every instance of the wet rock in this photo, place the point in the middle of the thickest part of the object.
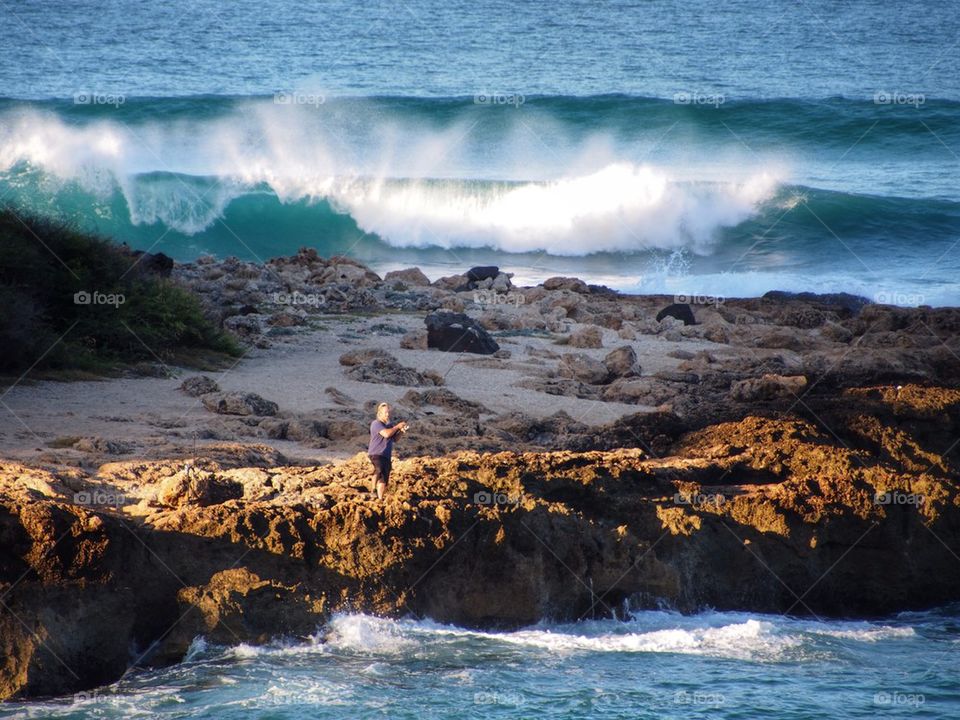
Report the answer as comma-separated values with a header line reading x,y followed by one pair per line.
x,y
236,601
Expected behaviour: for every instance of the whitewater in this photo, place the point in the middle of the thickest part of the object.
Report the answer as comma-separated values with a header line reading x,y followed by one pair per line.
x,y
647,196
648,664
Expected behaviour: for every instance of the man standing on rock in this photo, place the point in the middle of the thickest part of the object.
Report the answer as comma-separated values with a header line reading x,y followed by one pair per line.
x,y
383,433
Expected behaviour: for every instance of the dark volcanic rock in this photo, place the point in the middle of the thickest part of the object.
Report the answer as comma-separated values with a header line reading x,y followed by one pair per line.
x,y
482,272
457,332
680,311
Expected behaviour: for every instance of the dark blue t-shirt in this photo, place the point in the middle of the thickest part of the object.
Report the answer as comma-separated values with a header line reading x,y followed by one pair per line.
x,y
379,445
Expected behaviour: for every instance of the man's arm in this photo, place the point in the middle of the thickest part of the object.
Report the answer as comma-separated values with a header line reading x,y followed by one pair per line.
x,y
390,432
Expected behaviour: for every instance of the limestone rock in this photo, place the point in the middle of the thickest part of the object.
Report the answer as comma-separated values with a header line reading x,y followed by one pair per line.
x,y
199,488
588,336
379,366
566,283
198,385
238,403
622,362
582,367
414,340
767,387
408,276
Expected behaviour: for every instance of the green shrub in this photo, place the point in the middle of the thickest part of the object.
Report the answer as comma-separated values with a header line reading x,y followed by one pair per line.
x,y
45,264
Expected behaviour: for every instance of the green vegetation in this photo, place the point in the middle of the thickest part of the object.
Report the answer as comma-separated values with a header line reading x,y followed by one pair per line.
x,y
72,302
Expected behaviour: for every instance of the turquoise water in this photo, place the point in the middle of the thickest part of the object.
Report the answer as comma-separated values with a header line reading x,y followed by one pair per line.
x,y
653,147
652,665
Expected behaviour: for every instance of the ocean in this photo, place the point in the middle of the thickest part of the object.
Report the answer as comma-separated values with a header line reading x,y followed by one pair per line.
x,y
653,147
652,664
721,150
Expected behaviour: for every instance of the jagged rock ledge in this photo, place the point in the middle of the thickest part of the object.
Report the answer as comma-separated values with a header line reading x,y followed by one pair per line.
x,y
853,510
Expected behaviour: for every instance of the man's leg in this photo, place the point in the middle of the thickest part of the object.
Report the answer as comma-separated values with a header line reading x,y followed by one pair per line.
x,y
376,461
384,476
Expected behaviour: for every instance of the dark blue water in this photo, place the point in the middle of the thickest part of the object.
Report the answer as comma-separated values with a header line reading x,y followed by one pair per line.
x,y
653,665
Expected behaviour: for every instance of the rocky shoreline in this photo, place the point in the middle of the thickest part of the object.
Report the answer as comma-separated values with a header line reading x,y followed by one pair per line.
x,y
572,450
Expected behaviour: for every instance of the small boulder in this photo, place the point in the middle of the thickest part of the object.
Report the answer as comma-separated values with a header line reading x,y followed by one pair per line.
x,y
408,276
452,282
680,311
198,385
622,362
566,283
717,334
414,340
588,336
378,366
501,283
284,320
768,387
456,332
239,403
582,367
482,272
359,357
98,445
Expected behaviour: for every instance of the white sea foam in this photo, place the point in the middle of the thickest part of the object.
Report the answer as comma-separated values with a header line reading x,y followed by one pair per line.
x,y
750,639
413,186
